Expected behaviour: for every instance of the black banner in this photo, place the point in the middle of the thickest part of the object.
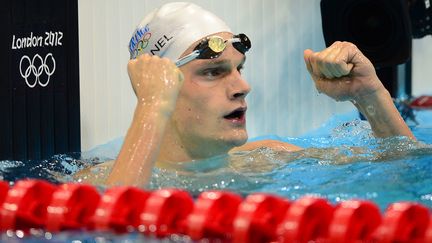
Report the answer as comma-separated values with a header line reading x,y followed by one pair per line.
x,y
39,85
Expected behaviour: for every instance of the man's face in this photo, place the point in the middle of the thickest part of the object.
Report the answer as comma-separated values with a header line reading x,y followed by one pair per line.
x,y
211,107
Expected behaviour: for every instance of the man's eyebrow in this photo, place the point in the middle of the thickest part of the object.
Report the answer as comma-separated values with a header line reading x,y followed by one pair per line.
x,y
223,62
218,62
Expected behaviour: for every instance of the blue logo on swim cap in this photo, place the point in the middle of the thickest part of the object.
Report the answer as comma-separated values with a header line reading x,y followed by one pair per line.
x,y
138,40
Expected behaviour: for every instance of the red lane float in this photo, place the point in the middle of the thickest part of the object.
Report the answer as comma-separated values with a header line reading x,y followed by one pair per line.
x,y
166,212
25,205
403,222
428,233
257,218
119,209
422,102
213,214
4,188
307,220
354,221
72,207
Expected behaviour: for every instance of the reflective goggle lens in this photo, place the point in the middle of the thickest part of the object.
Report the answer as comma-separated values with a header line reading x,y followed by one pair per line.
x,y
217,44
244,45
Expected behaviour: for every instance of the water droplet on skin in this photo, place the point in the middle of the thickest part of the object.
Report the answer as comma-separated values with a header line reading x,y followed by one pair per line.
x,y
94,170
370,110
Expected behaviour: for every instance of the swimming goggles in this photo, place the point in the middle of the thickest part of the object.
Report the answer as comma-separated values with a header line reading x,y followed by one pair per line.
x,y
213,46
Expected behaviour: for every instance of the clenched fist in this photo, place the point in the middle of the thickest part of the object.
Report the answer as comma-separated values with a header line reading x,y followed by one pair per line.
x,y
156,81
342,72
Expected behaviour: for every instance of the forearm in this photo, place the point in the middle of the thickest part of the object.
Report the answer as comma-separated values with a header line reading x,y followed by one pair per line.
x,y
384,118
140,149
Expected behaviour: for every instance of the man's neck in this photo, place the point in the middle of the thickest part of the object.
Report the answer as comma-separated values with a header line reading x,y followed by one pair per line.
x,y
177,149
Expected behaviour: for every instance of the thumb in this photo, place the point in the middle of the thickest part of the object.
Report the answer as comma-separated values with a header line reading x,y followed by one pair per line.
x,y
180,75
307,55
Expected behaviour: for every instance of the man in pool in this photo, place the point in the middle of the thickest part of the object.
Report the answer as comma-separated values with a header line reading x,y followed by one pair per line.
x,y
185,69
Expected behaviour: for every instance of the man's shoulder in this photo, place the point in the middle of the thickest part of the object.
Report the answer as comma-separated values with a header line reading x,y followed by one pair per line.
x,y
267,143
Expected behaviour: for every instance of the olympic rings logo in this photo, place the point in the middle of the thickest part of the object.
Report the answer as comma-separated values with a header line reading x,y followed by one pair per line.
x,y
37,69
142,44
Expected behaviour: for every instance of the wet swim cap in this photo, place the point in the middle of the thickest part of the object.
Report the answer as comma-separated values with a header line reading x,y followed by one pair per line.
x,y
169,30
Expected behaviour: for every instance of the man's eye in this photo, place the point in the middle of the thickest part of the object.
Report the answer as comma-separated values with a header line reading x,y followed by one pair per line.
x,y
213,73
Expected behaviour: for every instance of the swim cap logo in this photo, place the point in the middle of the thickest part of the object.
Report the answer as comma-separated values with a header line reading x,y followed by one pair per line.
x,y
160,44
139,41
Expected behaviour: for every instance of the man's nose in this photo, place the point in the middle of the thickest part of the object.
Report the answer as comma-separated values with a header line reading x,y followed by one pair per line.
x,y
238,86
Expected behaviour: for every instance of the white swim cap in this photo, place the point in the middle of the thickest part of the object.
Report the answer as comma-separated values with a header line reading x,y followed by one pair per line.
x,y
169,30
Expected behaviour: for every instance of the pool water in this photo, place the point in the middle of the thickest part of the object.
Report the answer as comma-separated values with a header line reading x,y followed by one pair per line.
x,y
341,160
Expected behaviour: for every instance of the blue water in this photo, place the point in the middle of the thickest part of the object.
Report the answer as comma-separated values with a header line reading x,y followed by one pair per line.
x,y
341,160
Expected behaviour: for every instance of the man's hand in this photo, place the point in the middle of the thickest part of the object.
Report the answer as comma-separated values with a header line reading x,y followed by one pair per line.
x,y
342,72
156,81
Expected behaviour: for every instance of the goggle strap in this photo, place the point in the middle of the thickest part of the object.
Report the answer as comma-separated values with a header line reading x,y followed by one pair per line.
x,y
235,40
182,61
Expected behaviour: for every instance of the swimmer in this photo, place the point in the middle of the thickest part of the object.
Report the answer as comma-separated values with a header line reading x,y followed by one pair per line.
x,y
185,69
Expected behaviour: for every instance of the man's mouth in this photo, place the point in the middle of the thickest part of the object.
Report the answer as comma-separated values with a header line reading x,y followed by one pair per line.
x,y
237,115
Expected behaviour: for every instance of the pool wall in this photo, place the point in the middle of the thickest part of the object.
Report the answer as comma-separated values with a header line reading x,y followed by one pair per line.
x,y
279,29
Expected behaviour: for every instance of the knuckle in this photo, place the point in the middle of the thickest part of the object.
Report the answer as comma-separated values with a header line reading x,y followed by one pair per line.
x,y
320,60
131,63
141,57
146,57
316,57
337,43
167,61
155,58
350,45
339,62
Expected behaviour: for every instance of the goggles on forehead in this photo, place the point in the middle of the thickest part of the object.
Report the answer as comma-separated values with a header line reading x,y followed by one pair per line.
x,y
213,46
